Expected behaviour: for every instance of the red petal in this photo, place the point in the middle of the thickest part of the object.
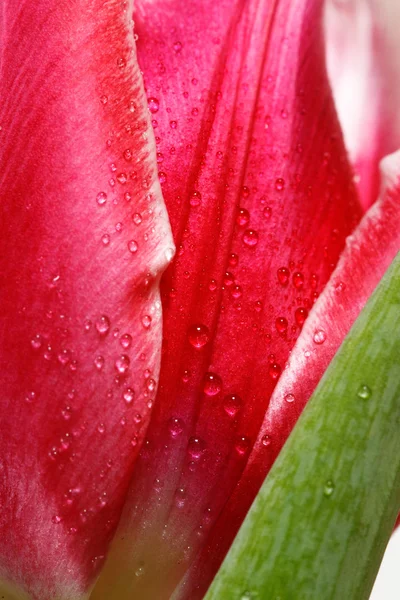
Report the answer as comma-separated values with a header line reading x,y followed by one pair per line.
x,y
368,253
259,191
363,61
77,165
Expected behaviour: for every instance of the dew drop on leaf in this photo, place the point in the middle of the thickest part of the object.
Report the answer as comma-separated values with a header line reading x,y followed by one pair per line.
x,y
364,392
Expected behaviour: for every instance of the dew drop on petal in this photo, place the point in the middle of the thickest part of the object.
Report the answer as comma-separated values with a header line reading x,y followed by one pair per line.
x,y
103,325
266,440
175,426
212,384
298,280
250,238
289,398
154,105
300,315
37,341
196,448
283,275
281,325
101,198
279,184
232,404
126,341
195,198
122,364
198,335
146,321
274,371
99,362
129,395
132,246
319,336
243,217
242,445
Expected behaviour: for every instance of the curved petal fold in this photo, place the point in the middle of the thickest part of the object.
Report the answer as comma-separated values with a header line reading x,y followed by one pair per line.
x,y
261,200
367,255
84,239
363,57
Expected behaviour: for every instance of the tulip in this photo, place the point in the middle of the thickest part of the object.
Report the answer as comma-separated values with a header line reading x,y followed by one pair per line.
x,y
234,119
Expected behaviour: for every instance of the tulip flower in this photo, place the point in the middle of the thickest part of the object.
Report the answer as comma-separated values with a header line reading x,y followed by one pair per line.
x,y
145,396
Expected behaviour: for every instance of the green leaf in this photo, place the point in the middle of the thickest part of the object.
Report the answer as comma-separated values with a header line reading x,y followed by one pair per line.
x,y
319,525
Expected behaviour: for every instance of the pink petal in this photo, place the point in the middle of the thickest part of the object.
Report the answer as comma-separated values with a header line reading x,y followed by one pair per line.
x,y
261,199
368,253
363,52
79,286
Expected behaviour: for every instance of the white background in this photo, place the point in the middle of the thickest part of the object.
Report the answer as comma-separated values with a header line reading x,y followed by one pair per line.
x,y
387,584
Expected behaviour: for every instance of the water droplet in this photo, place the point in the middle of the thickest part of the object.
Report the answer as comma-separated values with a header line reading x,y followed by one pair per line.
x,y
196,448
105,239
298,280
132,246
126,341
283,275
300,315
154,105
180,497
146,321
245,191
212,384
101,428
328,488
175,426
198,335
195,198
30,396
103,325
137,218
64,357
177,47
228,279
151,385
250,238
121,62
56,519
289,398
173,124
243,217
122,178
129,395
128,154
266,440
279,184
122,364
232,404
233,260
281,325
274,370
267,211
104,99
37,341
242,445
319,336
364,392
101,198
236,291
